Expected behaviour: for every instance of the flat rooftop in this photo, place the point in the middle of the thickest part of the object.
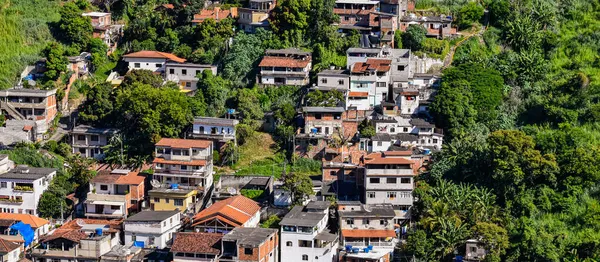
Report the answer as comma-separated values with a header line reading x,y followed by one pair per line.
x,y
299,217
27,173
249,236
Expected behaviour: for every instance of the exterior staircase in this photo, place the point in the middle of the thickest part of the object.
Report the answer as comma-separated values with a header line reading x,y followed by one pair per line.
x,y
10,110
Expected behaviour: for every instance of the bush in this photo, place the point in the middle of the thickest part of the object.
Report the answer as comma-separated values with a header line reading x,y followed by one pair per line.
x,y
436,48
243,132
253,194
271,222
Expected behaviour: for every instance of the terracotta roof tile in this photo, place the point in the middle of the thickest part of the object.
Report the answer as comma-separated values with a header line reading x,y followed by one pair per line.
x,y
184,143
372,64
198,243
33,221
358,94
7,246
216,14
196,162
155,54
74,235
275,61
368,233
398,153
238,209
380,158
132,178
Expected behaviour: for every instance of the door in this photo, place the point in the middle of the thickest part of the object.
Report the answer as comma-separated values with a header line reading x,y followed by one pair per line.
x,y
99,209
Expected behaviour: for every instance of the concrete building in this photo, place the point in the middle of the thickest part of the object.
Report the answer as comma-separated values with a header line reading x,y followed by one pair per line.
x,y
333,79
322,121
285,67
186,74
150,60
225,215
104,29
22,187
356,14
5,163
114,194
250,244
369,83
437,26
256,15
367,225
30,104
475,251
217,129
89,141
155,229
78,240
405,132
305,235
182,200
185,163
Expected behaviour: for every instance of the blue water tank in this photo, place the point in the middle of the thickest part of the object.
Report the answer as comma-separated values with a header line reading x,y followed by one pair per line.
x,y
370,247
174,186
427,151
355,249
313,130
98,231
458,258
348,248
366,250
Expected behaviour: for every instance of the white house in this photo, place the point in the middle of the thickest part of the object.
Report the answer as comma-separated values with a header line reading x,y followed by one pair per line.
x,y
150,60
153,228
214,128
22,187
9,251
304,234
186,74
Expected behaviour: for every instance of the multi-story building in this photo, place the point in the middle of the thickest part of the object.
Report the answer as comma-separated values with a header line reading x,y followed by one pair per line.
x,y
322,121
356,14
217,129
225,215
250,244
196,246
78,240
333,79
186,74
406,132
152,228
114,194
88,141
180,199
150,60
367,231
21,188
256,15
285,67
389,179
369,83
187,163
30,104
104,29
305,235
437,26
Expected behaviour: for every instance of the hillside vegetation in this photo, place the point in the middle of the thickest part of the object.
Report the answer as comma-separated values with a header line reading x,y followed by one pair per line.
x,y
24,31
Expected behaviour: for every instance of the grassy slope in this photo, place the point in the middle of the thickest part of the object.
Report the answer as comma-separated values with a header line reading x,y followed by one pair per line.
x,y
23,33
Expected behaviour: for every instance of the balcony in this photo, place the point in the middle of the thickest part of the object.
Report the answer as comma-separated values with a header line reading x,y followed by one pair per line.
x,y
390,172
23,188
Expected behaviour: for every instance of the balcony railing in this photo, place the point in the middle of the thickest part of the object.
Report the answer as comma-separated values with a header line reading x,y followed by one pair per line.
x,y
363,244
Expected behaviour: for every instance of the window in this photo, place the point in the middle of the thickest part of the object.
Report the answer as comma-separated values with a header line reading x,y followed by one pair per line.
x,y
405,194
183,167
136,65
341,82
183,72
346,18
332,173
158,65
435,141
2,184
115,207
151,241
165,224
391,195
94,138
473,249
381,84
317,116
366,221
170,220
178,202
323,80
289,243
166,200
382,222
405,180
81,137
103,187
400,68
198,72
248,251
371,194
305,257
391,180
133,237
188,84
350,221
406,129
379,143
156,200
374,180
171,71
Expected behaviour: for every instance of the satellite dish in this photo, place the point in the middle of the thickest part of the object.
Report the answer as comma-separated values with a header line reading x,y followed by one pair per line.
x,y
155,183
367,208
80,222
231,190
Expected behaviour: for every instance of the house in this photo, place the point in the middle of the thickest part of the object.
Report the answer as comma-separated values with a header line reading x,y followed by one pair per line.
x,y
367,226
256,15
30,104
104,29
289,66
322,121
333,79
9,251
305,235
232,185
180,199
475,251
89,141
396,7
356,14
21,188
437,26
369,82
150,60
153,229
405,132
355,55
251,245
225,215
114,194
216,13
39,225
194,246
185,163
220,130
80,64
186,74
78,240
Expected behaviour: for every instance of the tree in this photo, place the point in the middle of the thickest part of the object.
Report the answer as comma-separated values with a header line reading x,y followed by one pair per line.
x,y
398,39
494,239
56,62
413,37
299,185
469,14
98,106
248,106
326,99
290,20
244,55
366,129
75,28
214,90
80,173
144,76
98,49
50,205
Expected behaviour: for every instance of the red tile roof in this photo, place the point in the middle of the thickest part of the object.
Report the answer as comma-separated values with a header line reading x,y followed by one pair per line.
x,y
33,221
398,153
358,94
380,158
198,243
196,162
105,177
372,64
27,128
184,143
7,246
276,61
368,233
74,235
238,209
155,54
215,13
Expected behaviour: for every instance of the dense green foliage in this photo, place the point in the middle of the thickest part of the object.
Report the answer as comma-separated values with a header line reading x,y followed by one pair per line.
x,y
271,222
254,194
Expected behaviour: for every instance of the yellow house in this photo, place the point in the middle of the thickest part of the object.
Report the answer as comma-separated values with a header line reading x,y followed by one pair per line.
x,y
166,199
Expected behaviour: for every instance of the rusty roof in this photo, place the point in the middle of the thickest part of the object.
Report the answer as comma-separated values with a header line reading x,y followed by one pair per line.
x,y
372,64
276,61
155,54
7,246
198,243
381,158
184,143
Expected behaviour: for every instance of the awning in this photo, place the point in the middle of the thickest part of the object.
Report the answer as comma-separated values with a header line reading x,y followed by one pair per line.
x,y
358,94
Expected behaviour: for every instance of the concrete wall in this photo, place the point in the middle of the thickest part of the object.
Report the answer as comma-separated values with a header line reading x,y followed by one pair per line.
x,y
152,64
